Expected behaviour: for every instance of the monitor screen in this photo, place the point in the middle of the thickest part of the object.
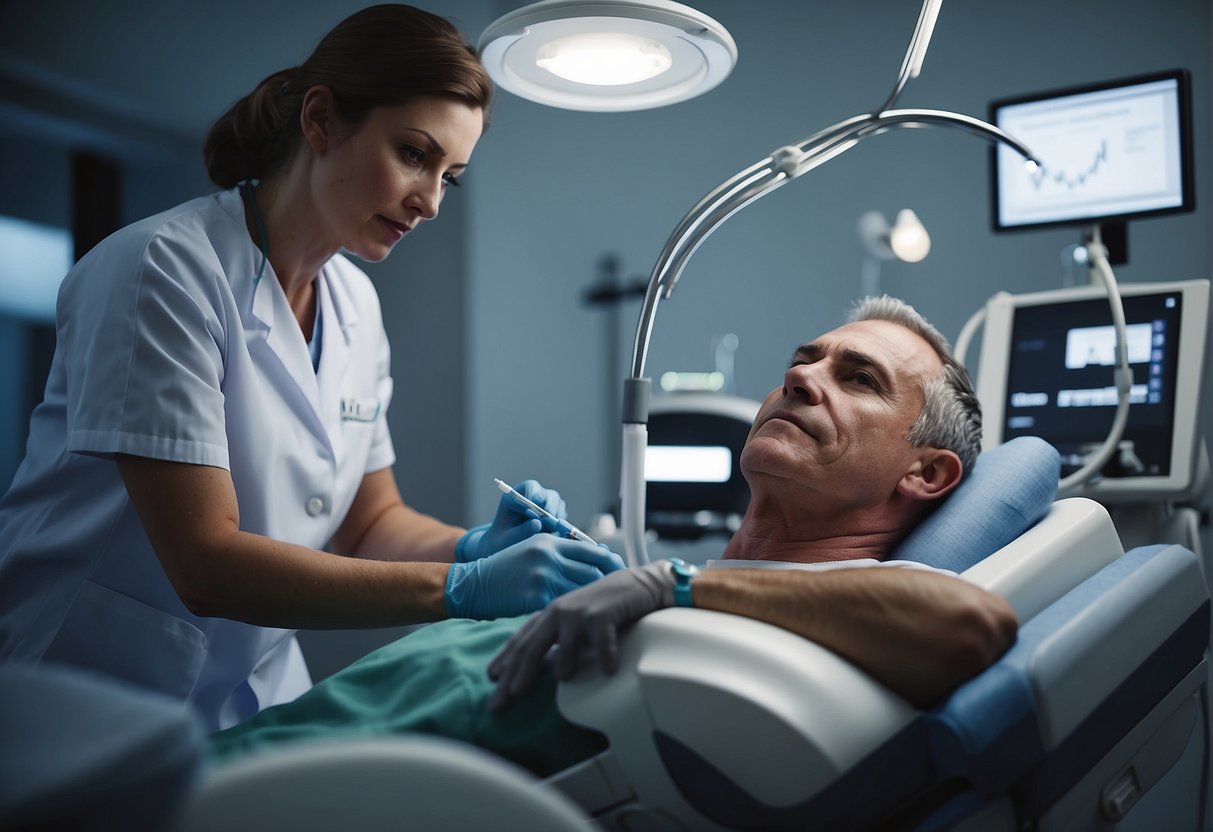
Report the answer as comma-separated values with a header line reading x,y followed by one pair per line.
x,y
693,481
1046,370
1107,152
688,463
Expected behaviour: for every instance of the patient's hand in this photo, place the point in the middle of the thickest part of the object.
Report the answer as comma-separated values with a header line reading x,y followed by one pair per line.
x,y
587,617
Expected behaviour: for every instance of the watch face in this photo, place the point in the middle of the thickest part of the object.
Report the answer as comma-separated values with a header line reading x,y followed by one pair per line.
x,y
681,568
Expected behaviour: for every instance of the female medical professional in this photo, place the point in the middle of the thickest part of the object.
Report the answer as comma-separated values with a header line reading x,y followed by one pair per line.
x,y
214,416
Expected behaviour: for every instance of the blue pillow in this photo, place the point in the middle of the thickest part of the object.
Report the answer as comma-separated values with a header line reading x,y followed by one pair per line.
x,y
1008,490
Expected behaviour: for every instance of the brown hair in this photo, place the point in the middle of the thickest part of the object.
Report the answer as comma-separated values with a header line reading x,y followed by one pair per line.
x,y
380,56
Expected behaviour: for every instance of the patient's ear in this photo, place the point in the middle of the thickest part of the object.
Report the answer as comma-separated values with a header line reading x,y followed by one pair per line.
x,y
936,472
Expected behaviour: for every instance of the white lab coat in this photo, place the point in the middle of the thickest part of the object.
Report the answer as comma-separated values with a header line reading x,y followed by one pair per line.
x,y
169,348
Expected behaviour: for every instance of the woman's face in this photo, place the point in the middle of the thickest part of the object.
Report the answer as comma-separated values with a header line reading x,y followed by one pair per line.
x,y
374,183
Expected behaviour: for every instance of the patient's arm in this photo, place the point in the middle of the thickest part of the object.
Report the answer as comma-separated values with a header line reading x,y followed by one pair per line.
x,y
920,633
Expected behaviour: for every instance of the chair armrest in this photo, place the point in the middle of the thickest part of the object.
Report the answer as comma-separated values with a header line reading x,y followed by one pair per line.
x,y
741,694
1128,614
1081,673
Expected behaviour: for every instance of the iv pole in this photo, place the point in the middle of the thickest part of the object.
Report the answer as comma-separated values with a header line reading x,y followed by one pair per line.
x,y
775,171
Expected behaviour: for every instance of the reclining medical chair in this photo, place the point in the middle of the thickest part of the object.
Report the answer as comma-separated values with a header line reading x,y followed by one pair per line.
x,y
1093,720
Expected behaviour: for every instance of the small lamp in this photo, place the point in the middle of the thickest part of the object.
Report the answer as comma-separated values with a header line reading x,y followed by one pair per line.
x,y
907,240
607,56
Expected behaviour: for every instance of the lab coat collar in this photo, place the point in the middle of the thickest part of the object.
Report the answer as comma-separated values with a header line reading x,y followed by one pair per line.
x,y
268,311
336,313
245,283
283,337
267,305
344,310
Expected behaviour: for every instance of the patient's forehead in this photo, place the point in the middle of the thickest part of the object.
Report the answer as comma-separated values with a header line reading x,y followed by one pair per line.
x,y
902,350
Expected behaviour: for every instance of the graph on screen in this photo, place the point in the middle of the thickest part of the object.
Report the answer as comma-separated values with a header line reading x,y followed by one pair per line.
x,y
1066,181
1113,151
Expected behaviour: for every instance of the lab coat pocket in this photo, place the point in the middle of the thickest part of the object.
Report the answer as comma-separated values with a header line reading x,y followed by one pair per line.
x,y
115,634
358,428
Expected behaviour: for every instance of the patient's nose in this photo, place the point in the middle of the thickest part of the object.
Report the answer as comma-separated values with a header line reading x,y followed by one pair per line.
x,y
805,381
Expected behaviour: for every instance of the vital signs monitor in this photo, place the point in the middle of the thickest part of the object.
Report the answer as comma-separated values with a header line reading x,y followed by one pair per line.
x,y
1046,370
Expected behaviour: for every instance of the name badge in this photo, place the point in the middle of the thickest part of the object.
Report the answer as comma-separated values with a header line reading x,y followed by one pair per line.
x,y
359,410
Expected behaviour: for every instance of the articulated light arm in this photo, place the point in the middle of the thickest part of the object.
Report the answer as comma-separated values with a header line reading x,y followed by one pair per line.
x,y
911,65
781,167
766,176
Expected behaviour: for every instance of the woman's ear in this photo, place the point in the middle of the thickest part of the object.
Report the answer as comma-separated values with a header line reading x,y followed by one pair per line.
x,y
316,118
935,473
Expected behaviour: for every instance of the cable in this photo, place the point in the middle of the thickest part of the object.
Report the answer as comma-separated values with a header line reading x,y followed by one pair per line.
x,y
1098,256
967,332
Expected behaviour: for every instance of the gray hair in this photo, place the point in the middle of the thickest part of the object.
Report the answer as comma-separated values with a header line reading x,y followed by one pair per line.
x,y
951,414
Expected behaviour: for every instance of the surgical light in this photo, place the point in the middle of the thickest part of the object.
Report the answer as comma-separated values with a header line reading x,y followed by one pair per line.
x,y
604,60
607,56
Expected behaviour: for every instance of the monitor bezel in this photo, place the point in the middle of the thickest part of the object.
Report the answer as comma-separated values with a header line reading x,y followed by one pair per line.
x,y
994,366
1187,174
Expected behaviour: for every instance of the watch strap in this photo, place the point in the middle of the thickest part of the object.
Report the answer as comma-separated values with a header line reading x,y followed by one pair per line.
x,y
684,573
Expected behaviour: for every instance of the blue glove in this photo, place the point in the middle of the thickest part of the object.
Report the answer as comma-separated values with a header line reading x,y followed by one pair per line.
x,y
513,522
524,577
588,618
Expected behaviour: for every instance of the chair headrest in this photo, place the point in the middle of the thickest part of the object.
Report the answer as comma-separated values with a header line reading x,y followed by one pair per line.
x,y
1008,490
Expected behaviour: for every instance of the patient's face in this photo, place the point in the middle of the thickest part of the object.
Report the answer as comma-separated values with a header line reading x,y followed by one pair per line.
x,y
838,425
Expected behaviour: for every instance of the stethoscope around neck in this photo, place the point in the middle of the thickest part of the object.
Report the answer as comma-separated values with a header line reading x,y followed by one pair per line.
x,y
263,237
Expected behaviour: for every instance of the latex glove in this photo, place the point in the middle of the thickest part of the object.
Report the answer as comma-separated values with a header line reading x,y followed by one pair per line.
x,y
512,523
588,618
525,577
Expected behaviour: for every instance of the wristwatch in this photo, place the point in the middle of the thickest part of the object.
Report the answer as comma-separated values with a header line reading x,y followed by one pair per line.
x,y
683,573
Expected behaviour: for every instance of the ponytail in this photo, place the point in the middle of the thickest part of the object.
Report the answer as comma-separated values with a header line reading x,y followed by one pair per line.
x,y
378,57
249,140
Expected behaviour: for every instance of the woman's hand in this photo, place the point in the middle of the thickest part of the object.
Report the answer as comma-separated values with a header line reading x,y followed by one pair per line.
x,y
525,577
512,524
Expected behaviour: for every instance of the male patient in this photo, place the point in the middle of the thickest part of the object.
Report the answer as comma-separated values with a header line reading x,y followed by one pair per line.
x,y
874,423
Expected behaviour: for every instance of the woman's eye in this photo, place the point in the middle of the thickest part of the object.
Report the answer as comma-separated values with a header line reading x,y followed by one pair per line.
x,y
413,155
450,179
